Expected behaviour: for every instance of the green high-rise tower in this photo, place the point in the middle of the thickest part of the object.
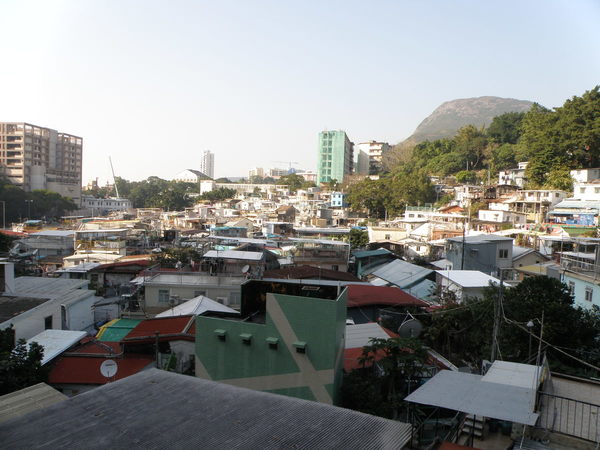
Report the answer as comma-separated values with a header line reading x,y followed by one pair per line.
x,y
335,156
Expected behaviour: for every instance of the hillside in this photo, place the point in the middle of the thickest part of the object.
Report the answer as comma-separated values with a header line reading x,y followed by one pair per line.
x,y
452,115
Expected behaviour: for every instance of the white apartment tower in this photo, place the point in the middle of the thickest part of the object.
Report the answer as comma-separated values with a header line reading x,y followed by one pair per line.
x,y
33,157
207,163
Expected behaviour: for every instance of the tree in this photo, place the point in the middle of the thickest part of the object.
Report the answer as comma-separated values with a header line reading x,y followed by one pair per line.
x,y
463,332
503,157
390,369
466,177
358,238
292,181
20,365
506,128
218,194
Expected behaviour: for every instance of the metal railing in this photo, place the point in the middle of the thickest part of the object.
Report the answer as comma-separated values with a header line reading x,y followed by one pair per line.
x,y
569,417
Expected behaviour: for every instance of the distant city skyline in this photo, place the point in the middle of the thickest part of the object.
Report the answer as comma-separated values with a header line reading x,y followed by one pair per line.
x,y
153,85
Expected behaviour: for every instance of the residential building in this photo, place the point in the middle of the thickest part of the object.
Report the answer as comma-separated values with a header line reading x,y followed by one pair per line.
x,y
487,253
585,175
289,341
463,284
338,200
34,157
256,172
308,175
335,159
360,162
514,177
103,206
207,163
375,152
491,215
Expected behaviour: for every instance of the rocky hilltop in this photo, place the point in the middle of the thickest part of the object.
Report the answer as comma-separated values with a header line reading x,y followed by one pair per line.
x,y
452,115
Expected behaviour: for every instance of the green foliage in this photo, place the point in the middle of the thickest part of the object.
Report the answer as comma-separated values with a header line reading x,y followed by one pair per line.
x,y
218,194
44,203
568,136
391,193
20,365
559,178
466,176
503,157
358,238
381,392
6,242
155,192
295,182
506,128
464,333
171,256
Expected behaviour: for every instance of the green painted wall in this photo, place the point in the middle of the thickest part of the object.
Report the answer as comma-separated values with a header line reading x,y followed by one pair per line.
x,y
318,322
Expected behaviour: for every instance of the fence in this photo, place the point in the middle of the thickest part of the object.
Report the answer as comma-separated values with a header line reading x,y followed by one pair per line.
x,y
569,417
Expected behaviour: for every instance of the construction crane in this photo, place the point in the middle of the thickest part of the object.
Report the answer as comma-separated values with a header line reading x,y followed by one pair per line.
x,y
287,162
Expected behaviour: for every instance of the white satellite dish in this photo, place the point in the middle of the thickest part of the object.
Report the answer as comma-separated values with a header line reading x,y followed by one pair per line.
x,y
246,268
410,328
108,368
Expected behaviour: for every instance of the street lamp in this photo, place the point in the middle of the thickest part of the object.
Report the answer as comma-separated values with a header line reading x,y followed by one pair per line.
x,y
530,326
29,202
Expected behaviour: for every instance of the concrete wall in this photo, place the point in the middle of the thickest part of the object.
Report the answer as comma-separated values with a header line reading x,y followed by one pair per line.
x,y
579,288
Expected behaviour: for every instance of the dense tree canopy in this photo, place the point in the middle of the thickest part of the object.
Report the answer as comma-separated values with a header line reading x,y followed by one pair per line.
x,y
464,333
20,365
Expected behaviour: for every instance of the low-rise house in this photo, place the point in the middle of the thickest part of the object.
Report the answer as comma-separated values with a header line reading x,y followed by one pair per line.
x,y
492,215
45,243
366,302
462,284
286,213
367,260
37,304
515,177
327,254
487,253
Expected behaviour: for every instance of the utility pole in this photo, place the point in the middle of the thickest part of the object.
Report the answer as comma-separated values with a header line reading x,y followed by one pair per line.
x,y
497,309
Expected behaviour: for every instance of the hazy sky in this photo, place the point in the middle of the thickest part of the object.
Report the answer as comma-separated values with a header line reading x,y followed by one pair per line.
x,y
153,84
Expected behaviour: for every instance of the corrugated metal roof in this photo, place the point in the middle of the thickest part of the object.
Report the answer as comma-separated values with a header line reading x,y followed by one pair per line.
x,y
364,295
46,287
513,374
468,393
56,341
357,336
367,253
116,330
61,233
159,409
401,273
32,398
234,254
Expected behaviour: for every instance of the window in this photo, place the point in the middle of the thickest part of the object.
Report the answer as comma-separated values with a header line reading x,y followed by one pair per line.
x,y
597,190
335,267
163,295
48,323
388,237
589,292
503,253
571,287
199,293
582,190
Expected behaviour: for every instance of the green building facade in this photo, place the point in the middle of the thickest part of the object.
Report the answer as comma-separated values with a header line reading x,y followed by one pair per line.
x,y
293,347
335,159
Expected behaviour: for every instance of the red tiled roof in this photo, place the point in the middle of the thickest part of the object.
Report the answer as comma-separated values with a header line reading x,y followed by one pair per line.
x,y
306,272
14,233
168,328
365,295
86,369
351,356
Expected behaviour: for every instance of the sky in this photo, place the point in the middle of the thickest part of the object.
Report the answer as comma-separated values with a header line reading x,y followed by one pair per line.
x,y
153,84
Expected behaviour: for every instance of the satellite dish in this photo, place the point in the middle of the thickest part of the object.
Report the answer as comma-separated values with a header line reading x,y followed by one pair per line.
x,y
410,328
246,268
108,368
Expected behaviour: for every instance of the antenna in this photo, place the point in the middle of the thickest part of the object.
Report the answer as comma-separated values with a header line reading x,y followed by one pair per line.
x,y
410,328
113,174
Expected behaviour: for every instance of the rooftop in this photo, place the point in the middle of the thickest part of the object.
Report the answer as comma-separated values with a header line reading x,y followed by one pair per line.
x,y
468,278
46,287
197,306
401,273
177,327
183,411
56,341
234,254
13,306
364,295
304,272
32,398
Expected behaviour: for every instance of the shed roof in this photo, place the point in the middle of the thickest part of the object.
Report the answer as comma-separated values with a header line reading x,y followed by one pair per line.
x,y
217,416
401,273
472,394
32,398
357,336
12,306
46,287
168,328
368,253
56,341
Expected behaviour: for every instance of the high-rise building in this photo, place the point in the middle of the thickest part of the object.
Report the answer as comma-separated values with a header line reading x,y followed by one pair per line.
x,y
207,163
34,157
375,152
335,156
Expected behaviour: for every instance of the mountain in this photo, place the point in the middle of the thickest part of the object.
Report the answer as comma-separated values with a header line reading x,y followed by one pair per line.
x,y
452,115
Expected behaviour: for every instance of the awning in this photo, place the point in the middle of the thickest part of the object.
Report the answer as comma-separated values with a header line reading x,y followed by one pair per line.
x,y
471,394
